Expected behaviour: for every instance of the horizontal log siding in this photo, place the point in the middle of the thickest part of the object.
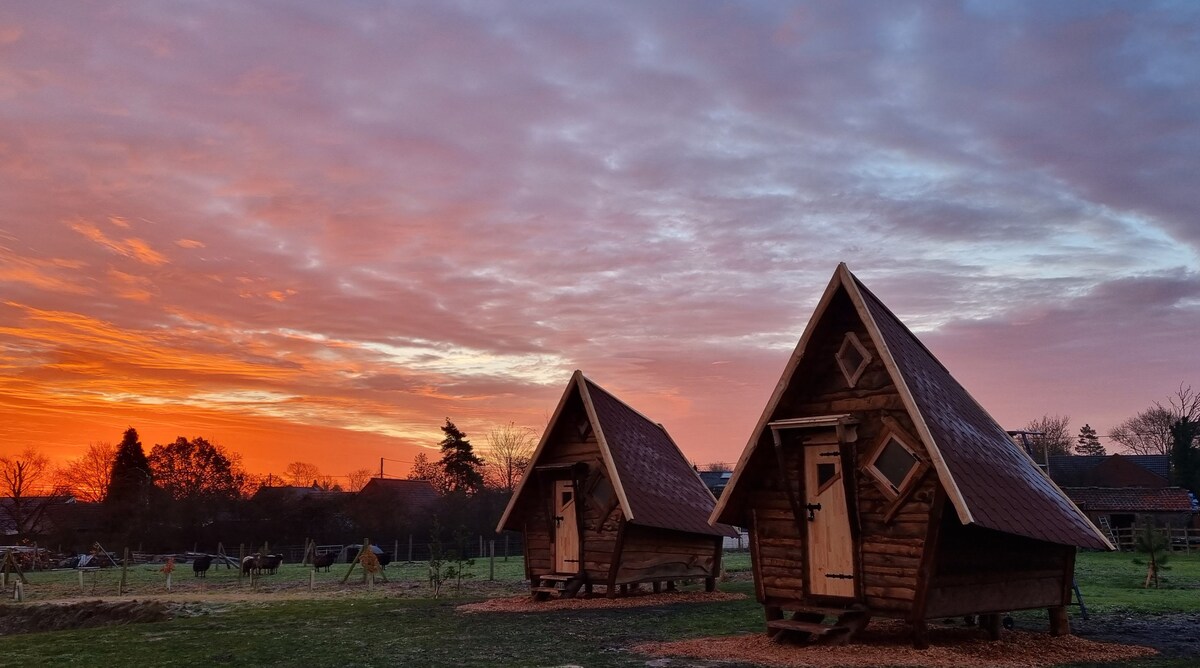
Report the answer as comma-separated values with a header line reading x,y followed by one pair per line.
x,y
598,532
655,554
780,549
979,571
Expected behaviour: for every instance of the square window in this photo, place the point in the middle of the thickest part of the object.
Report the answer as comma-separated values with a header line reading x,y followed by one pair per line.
x,y
825,473
894,465
852,358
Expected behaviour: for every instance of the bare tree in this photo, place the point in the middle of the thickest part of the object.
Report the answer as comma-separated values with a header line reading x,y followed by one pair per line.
x,y
26,480
1052,437
87,477
302,474
358,479
1184,404
509,449
1147,433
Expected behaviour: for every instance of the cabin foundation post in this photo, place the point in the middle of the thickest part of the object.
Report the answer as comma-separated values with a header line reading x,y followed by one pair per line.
x,y
991,624
920,634
657,586
773,613
1060,623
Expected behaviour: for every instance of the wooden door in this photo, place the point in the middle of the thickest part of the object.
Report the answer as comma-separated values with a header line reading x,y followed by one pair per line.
x,y
566,528
830,545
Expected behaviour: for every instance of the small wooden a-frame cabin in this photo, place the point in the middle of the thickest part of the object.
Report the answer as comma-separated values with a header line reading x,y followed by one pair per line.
x,y
874,484
609,499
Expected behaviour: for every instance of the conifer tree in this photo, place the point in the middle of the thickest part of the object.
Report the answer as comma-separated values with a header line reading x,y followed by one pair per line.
x,y
1088,442
461,466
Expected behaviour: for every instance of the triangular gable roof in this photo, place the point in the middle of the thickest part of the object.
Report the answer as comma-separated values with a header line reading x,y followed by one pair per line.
x,y
654,484
990,482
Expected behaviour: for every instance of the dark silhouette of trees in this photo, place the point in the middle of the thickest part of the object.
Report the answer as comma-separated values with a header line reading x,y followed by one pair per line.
x,y
460,465
1151,432
1053,437
199,481
1088,442
87,478
509,450
26,482
196,470
1147,433
130,490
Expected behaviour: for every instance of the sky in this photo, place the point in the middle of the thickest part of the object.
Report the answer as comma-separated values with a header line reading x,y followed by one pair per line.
x,y
313,231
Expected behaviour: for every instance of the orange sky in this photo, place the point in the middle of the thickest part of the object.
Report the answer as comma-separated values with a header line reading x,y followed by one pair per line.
x,y
312,232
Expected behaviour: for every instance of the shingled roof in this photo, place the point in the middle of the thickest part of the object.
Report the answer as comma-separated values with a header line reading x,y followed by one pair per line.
x,y
990,482
654,482
1132,499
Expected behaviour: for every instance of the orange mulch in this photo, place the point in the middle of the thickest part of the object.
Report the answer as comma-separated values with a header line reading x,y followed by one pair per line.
x,y
527,604
887,643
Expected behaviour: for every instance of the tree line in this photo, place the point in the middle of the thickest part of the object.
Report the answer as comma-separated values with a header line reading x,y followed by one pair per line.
x,y
1170,428
193,490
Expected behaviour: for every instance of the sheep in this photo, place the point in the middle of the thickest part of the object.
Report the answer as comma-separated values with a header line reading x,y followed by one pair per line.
x,y
200,565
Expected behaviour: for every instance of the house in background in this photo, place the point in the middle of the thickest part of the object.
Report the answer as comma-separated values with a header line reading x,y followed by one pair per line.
x,y
875,485
608,499
1119,491
716,481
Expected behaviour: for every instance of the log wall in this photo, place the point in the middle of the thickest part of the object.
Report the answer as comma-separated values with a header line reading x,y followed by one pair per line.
x,y
656,554
890,535
983,571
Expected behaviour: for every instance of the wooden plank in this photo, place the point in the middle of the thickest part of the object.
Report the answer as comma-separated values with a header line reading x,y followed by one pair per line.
x,y
616,559
755,563
986,598
926,570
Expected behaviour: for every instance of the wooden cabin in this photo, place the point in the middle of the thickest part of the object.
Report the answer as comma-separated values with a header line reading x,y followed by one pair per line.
x,y
608,499
875,485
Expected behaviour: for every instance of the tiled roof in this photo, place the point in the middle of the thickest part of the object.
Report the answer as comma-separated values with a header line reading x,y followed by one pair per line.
x,y
292,494
1001,488
1075,470
409,493
1131,499
663,489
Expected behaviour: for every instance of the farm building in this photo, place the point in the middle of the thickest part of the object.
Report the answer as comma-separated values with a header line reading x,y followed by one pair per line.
x,y
1119,491
874,484
608,499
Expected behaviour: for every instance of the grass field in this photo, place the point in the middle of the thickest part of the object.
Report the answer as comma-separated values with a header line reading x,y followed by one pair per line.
x,y
397,624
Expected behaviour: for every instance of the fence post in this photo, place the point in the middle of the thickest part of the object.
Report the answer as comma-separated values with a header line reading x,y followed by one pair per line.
x,y
492,560
241,558
124,569
481,553
506,547
410,548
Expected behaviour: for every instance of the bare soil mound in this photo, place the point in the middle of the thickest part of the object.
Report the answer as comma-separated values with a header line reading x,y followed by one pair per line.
x,y
16,619
527,604
886,643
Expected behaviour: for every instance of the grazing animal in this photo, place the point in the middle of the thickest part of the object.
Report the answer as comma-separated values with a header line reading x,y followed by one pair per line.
x,y
200,565
385,558
250,564
270,563
324,561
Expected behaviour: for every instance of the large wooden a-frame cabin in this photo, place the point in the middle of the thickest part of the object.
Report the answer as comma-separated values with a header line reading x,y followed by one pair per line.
x,y
874,484
609,499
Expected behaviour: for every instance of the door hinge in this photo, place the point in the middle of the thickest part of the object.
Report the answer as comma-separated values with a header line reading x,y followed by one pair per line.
x,y
834,453
839,576
812,507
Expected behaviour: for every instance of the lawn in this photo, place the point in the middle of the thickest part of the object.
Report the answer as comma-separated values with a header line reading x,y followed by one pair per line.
x,y
397,624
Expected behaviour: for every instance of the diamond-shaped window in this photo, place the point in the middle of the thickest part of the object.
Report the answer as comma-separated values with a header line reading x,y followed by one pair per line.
x,y
852,358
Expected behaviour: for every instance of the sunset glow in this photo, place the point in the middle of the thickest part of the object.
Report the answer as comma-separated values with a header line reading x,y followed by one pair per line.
x,y
313,231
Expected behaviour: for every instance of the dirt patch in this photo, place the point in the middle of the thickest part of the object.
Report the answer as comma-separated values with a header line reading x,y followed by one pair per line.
x,y
16,619
1172,634
527,604
886,643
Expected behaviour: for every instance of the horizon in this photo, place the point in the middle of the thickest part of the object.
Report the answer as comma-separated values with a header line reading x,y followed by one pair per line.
x,y
313,233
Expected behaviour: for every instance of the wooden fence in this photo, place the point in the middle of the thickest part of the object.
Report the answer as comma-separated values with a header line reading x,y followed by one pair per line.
x,y
1180,540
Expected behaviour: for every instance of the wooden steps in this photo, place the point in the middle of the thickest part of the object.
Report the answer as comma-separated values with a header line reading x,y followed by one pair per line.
x,y
811,623
555,585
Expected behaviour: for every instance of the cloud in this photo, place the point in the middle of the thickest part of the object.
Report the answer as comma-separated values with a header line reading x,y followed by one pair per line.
x,y
393,214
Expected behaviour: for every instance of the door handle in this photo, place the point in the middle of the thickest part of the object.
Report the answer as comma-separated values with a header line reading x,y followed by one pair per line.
x,y
558,520
812,508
